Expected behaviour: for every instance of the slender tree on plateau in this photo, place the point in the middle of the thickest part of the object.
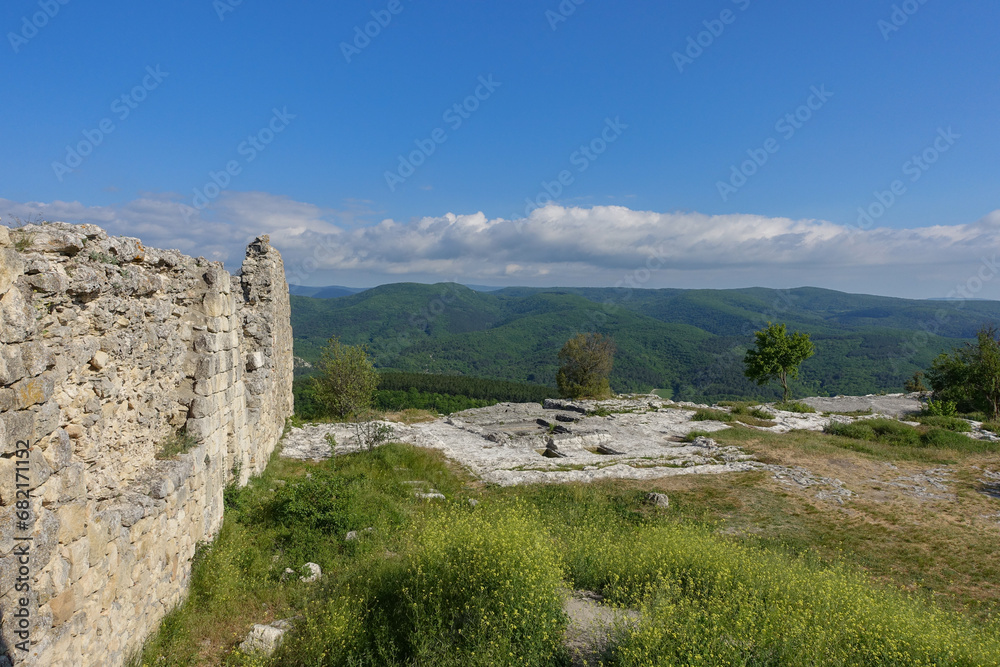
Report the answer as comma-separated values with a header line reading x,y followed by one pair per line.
x,y
347,379
777,356
586,363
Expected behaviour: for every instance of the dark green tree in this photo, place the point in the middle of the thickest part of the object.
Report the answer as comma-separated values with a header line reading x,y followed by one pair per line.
x,y
777,356
970,376
347,380
916,383
586,364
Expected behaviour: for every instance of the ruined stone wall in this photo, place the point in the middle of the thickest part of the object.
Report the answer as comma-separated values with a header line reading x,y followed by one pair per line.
x,y
108,350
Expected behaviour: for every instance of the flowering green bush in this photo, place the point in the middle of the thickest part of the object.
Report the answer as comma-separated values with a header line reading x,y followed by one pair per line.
x,y
474,588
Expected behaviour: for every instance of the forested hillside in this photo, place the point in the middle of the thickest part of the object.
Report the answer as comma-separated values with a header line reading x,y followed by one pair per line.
x,y
687,342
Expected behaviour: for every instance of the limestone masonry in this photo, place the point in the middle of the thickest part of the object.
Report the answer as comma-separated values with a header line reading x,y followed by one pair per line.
x,y
109,349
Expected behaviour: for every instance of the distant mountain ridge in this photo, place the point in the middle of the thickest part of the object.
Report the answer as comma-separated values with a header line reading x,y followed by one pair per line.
x,y
328,292
336,291
688,342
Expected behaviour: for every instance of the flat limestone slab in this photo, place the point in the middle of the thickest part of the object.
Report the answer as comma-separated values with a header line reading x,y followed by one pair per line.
x,y
504,443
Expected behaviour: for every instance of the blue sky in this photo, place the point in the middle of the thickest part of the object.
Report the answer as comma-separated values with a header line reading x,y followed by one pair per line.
x,y
671,120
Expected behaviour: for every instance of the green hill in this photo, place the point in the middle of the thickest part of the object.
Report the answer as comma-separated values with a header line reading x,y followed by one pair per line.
x,y
689,342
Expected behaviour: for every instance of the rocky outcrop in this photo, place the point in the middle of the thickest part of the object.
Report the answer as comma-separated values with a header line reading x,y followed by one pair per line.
x,y
108,351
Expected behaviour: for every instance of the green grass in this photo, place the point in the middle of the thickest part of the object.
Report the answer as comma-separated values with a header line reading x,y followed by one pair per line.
x,y
793,406
445,583
738,604
746,409
948,423
23,241
178,443
708,414
474,587
740,414
897,434
104,258
993,427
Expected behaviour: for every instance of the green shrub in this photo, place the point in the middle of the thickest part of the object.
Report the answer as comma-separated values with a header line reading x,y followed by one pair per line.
x,y
762,610
948,423
888,431
476,587
940,409
705,600
892,432
993,427
744,409
794,406
708,414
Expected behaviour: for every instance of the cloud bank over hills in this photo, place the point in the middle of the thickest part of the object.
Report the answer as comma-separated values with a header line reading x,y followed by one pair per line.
x,y
556,245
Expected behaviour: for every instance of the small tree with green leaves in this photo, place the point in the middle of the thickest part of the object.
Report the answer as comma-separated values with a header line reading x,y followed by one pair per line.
x,y
586,364
777,356
347,379
970,376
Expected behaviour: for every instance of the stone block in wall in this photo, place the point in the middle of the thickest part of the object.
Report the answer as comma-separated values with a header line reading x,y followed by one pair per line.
x,y
58,449
217,278
91,580
38,472
36,357
47,283
72,521
219,324
101,527
58,574
255,361
216,304
11,267
17,318
27,392
12,366
64,240
215,384
78,555
63,607
131,507
45,538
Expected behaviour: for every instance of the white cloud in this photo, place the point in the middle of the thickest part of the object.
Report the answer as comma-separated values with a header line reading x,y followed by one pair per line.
x,y
555,245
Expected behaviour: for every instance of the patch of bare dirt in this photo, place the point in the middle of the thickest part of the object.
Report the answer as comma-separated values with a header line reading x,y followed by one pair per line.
x,y
590,625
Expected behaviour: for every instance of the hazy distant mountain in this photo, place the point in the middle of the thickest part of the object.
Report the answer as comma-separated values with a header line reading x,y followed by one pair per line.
x,y
329,292
334,291
688,341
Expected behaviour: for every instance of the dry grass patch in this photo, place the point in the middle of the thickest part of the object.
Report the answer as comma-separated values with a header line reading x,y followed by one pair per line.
x,y
943,546
411,416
